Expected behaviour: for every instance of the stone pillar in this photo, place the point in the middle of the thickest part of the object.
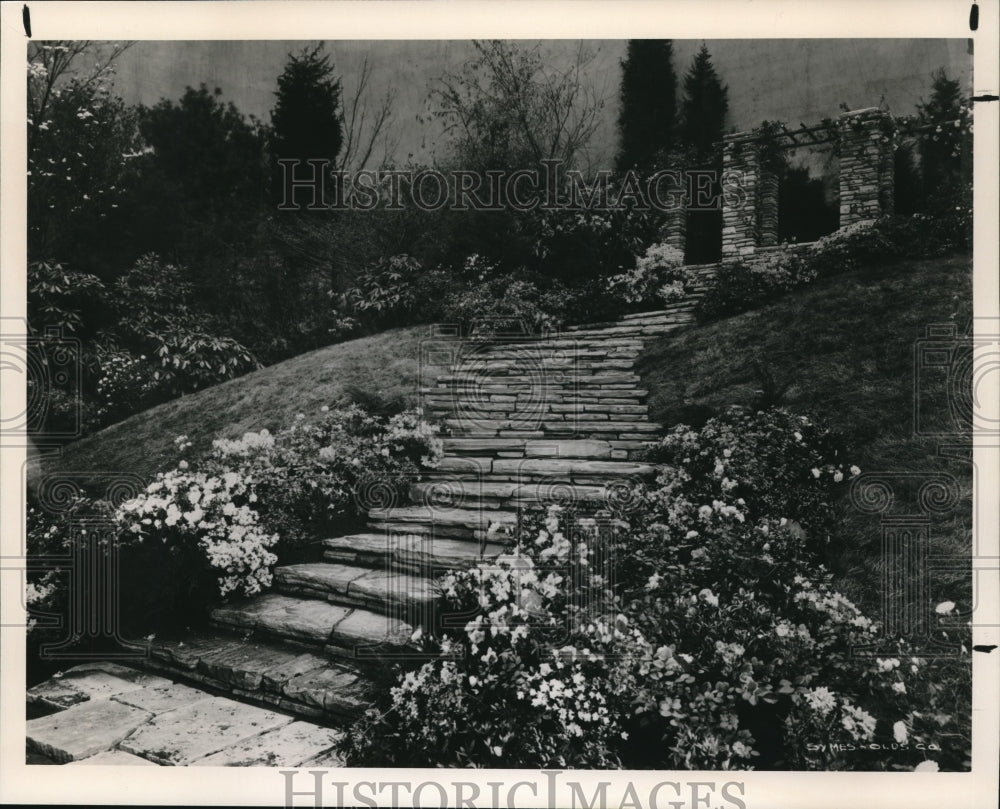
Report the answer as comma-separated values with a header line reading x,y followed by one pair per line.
x,y
753,221
867,179
673,228
740,164
767,208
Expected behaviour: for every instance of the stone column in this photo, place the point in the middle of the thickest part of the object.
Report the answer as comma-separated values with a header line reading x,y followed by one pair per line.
x,y
767,208
740,164
867,179
673,228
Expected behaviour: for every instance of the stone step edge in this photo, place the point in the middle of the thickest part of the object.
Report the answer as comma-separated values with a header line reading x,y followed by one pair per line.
x,y
333,716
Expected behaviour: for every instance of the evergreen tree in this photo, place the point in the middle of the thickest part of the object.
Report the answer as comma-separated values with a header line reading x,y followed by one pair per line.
x,y
305,121
646,121
704,108
946,153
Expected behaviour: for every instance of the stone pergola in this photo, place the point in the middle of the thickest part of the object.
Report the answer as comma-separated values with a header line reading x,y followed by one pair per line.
x,y
865,150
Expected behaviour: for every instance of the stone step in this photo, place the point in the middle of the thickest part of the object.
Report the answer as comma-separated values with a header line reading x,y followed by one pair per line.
x,y
531,365
489,524
379,590
528,392
413,553
486,427
555,380
597,449
503,494
339,630
268,672
529,470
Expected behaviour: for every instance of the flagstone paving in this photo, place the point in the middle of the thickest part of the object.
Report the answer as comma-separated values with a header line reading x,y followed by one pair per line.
x,y
106,714
559,419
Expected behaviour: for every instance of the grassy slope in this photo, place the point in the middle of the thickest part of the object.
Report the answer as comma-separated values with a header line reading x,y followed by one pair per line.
x,y
385,365
845,347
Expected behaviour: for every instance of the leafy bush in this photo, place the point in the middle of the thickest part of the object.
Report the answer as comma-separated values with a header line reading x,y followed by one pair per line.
x,y
125,385
501,304
57,296
658,278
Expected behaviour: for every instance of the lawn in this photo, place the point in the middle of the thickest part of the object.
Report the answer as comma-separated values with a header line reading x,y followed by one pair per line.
x,y
382,368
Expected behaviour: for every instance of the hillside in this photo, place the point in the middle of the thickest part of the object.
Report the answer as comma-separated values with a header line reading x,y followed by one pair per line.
x,y
843,350
382,367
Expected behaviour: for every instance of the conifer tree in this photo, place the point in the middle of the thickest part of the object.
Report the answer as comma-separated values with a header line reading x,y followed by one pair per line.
x,y
704,108
646,121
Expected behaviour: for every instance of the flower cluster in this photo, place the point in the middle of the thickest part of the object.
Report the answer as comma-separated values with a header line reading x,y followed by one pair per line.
x,y
658,278
216,514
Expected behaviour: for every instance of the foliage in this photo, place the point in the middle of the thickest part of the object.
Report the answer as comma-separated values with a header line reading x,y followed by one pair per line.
x,y
310,475
742,285
704,108
508,109
766,462
501,304
395,289
204,514
82,141
578,243
58,296
647,117
306,122
658,278
201,187
946,145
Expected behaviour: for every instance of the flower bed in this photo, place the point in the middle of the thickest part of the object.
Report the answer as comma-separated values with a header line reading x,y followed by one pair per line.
x,y
695,629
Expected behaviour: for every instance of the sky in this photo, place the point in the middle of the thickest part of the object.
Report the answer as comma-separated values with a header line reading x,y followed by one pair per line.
x,y
795,80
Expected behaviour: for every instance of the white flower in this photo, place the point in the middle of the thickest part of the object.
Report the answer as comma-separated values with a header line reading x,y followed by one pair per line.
x,y
944,607
709,597
927,766
855,471
899,687
838,476
816,472
899,732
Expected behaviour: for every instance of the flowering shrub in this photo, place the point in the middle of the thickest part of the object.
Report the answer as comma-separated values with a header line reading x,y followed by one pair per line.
x,y
125,385
309,475
658,278
212,513
521,684
753,465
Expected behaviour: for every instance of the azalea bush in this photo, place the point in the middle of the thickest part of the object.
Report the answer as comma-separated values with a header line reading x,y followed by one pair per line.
x,y
659,278
311,477
757,463
695,628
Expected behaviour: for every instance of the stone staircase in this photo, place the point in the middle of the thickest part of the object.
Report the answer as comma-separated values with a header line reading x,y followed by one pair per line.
x,y
531,422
